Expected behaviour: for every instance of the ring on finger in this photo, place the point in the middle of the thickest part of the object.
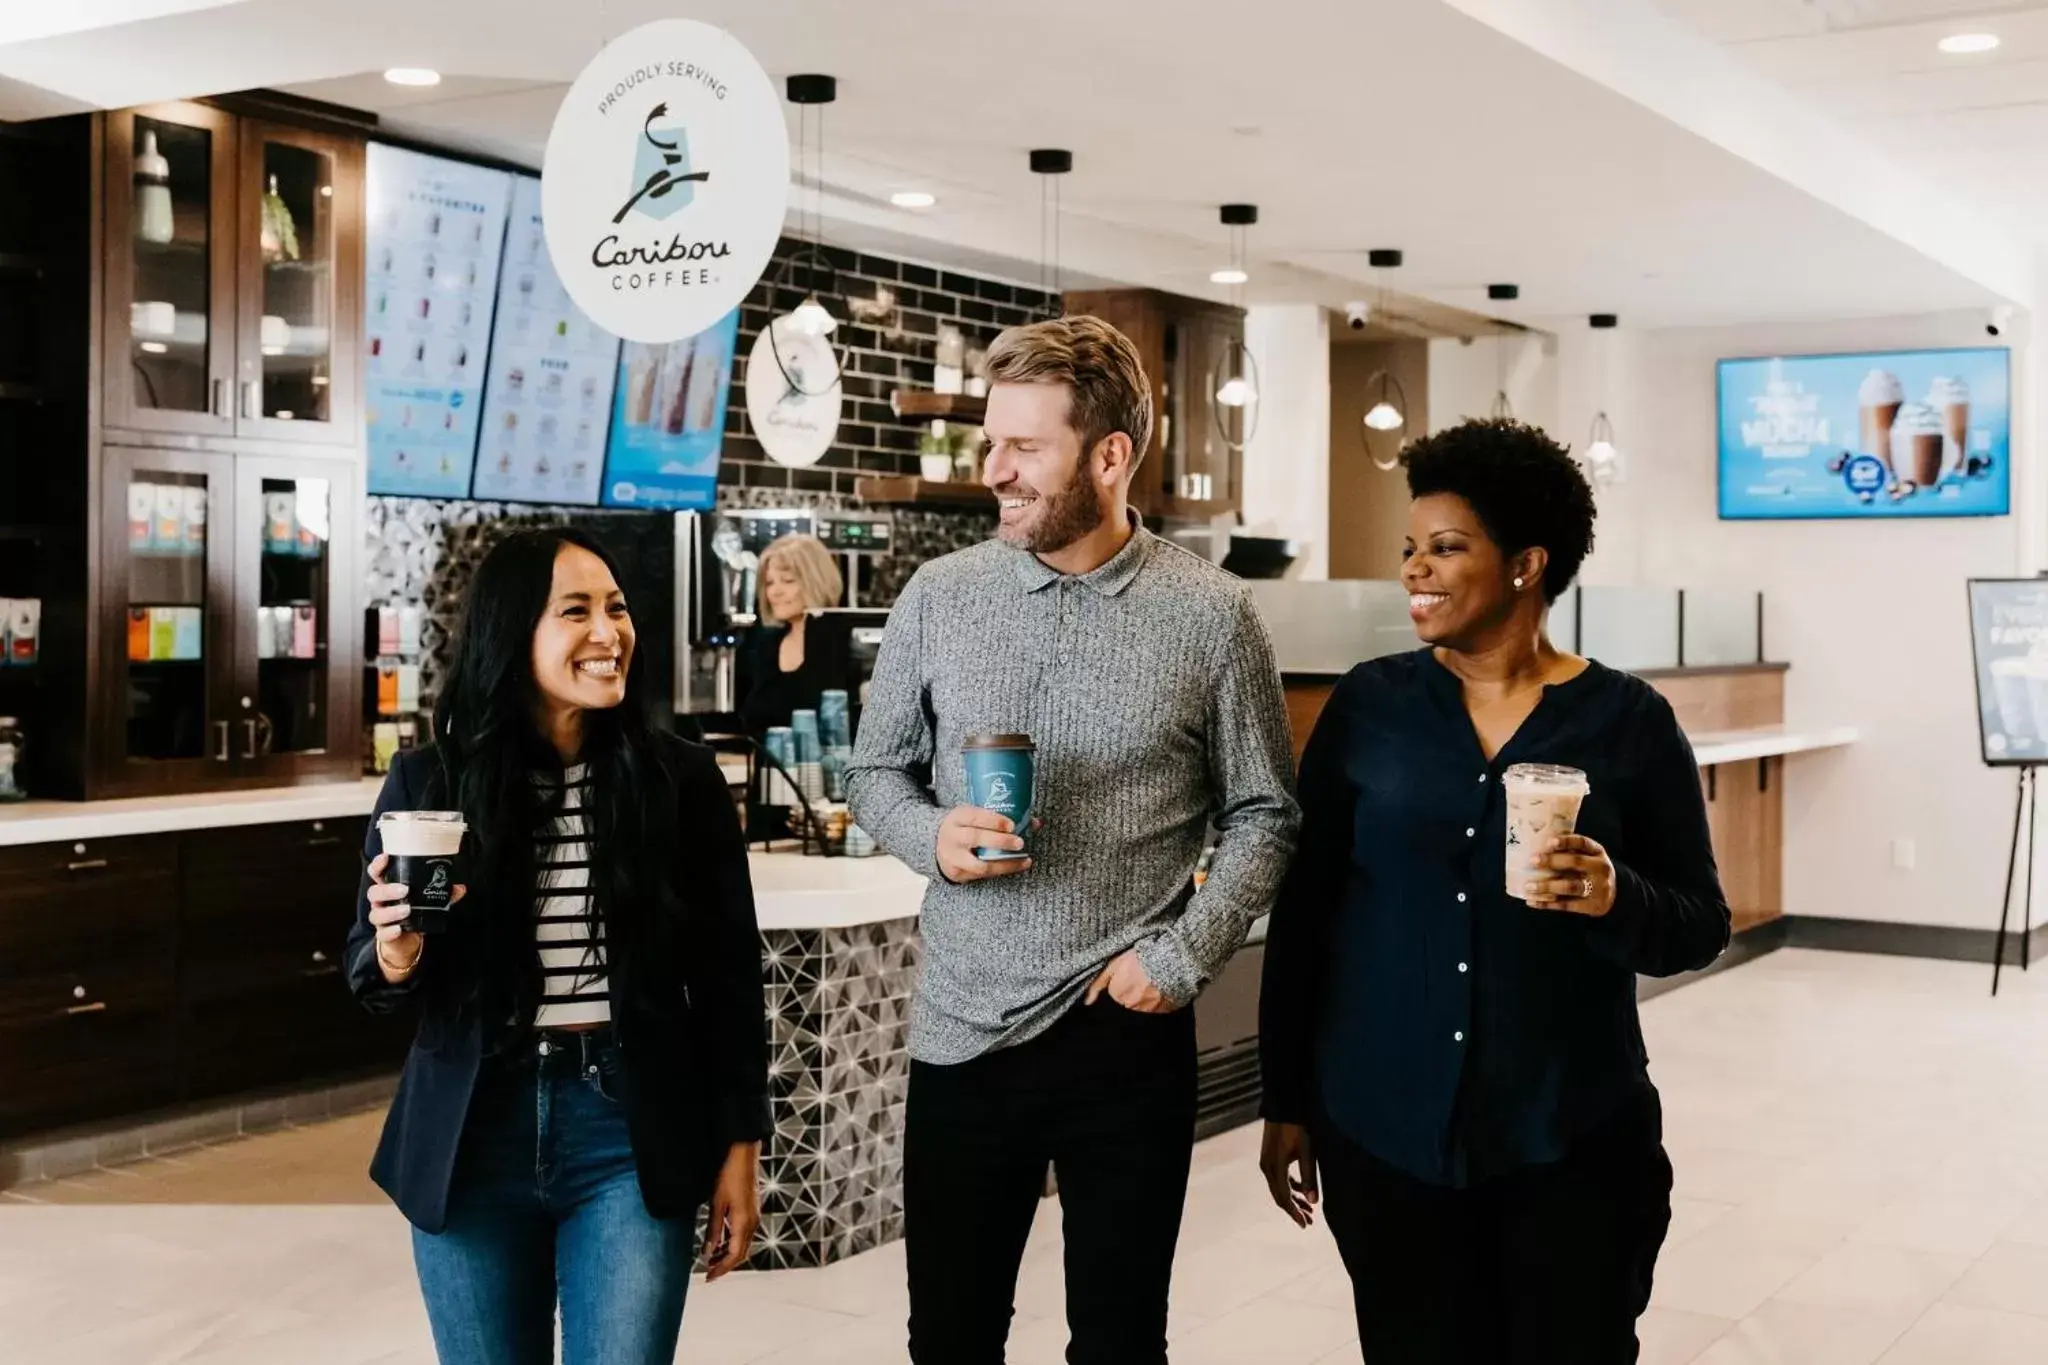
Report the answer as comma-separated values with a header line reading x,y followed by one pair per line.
x,y
1585,888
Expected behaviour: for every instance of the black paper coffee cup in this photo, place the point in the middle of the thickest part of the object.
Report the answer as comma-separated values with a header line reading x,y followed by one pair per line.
x,y
424,846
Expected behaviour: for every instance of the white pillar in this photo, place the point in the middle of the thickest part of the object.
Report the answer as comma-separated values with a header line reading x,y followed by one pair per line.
x,y
1287,460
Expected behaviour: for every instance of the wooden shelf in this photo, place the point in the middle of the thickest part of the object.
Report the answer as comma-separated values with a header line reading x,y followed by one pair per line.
x,y
953,407
913,492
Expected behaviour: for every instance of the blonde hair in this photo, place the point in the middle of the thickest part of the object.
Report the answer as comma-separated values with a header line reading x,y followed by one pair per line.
x,y
807,559
1099,366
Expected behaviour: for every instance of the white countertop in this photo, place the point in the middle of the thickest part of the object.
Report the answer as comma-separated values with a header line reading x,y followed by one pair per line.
x,y
52,822
795,892
1739,746
790,890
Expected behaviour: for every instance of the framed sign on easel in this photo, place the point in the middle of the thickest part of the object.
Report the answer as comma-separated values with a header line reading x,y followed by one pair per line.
x,y
2009,645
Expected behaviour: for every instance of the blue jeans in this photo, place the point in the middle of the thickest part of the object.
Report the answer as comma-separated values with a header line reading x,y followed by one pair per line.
x,y
545,1205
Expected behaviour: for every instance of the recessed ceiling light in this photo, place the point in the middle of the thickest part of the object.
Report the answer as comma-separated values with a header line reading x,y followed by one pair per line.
x,y
913,199
412,75
1962,44
1228,275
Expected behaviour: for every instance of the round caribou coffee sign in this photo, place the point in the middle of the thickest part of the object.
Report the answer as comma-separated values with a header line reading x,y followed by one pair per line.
x,y
665,182
793,394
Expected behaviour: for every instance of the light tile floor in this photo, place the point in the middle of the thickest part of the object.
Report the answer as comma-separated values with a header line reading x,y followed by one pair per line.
x,y
1861,1146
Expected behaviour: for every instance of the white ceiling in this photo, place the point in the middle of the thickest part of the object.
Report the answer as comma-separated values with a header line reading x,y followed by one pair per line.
x,y
1371,123
1978,123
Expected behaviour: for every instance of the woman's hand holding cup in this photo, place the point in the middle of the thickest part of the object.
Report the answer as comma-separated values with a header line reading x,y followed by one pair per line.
x,y
398,948
1574,874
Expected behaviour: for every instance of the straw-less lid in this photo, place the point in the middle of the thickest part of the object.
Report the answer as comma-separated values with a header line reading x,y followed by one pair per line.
x,y
1545,775
998,742
439,817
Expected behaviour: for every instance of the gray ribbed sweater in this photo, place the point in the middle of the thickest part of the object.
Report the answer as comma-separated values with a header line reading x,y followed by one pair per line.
x,y
1150,689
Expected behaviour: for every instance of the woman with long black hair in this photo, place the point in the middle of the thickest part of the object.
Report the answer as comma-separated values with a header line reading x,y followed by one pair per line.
x,y
591,1061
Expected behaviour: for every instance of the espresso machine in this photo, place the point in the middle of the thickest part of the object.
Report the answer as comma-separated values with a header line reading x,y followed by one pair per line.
x,y
718,575
856,540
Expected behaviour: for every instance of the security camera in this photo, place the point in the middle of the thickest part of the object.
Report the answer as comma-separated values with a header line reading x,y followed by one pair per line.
x,y
2001,318
1356,315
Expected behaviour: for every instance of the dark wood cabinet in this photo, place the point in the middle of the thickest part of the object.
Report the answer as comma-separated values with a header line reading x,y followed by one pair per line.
x,y
139,971
262,992
1197,444
233,277
216,504
88,957
228,631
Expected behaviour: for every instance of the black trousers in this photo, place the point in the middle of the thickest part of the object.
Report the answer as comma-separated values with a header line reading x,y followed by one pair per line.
x,y
1548,1265
1107,1098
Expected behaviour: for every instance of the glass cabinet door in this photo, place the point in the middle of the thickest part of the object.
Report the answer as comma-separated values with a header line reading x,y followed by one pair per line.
x,y
170,286
298,320
167,590
296,682
291,621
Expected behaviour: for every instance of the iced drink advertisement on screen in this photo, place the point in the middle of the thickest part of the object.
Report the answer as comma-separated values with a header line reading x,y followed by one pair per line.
x,y
668,420
1877,435
2009,639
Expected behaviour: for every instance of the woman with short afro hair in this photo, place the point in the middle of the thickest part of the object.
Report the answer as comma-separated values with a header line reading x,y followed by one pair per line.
x,y
1461,1070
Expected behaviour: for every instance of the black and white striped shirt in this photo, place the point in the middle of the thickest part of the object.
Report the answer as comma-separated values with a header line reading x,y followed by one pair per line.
x,y
567,931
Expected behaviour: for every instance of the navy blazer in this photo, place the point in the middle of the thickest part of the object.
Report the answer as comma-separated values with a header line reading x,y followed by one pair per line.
x,y
695,1070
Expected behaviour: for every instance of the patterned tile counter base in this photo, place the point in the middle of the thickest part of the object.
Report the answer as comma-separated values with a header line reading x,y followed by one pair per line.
x,y
838,1075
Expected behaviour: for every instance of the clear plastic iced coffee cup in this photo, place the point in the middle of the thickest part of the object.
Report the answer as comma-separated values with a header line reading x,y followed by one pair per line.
x,y
1543,803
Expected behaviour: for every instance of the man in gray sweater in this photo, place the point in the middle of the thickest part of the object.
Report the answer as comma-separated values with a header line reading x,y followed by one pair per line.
x,y
1051,1023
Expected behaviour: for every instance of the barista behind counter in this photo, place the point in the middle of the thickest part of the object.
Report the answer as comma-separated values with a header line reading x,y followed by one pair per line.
x,y
784,666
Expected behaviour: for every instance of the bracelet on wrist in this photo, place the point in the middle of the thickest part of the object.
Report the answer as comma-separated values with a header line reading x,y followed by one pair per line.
x,y
404,969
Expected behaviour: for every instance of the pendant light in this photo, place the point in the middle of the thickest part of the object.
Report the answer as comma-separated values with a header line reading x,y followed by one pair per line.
x,y
1049,164
1503,407
808,265
1234,384
1386,414
1604,464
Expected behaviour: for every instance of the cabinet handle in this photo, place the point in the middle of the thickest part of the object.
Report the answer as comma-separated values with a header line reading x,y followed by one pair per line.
x,y
220,746
86,865
249,742
325,841
248,395
220,406
311,973
94,1008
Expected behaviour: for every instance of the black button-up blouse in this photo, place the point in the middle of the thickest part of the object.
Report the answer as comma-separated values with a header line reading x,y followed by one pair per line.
x,y
1449,1030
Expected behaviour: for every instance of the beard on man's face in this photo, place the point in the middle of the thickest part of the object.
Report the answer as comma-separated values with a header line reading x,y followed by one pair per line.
x,y
1064,516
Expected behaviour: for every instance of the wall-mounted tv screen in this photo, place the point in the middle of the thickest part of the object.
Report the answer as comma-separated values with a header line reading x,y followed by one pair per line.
x,y
669,422
1876,435
549,402
436,228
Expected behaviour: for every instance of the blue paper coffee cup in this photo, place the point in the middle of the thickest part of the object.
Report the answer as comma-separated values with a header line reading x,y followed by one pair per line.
x,y
1000,778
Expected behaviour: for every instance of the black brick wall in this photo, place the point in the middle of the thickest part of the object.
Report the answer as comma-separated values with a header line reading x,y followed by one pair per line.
x,y
872,440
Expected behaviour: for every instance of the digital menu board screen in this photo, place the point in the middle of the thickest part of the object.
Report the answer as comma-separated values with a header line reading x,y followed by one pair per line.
x,y
1877,435
436,232
668,423
548,405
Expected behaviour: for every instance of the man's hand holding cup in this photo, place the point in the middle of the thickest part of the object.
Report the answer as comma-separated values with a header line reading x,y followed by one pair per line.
x,y
968,829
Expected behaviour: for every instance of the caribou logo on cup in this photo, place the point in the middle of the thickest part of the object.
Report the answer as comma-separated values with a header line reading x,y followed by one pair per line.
x,y
1000,779
423,846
